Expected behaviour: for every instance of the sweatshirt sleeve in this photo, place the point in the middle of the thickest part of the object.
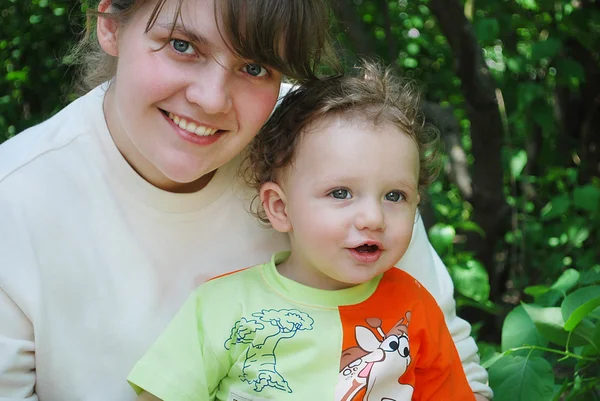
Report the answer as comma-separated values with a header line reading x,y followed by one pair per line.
x,y
181,364
17,358
423,263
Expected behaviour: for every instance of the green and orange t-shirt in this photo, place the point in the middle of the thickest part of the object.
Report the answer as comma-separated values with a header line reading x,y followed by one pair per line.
x,y
255,335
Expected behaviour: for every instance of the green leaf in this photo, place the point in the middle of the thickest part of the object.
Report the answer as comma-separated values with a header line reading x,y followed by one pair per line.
x,y
566,281
528,4
578,231
581,312
591,276
486,29
518,329
550,324
557,207
548,48
521,378
469,226
587,198
536,290
570,69
517,163
441,236
578,298
527,93
472,280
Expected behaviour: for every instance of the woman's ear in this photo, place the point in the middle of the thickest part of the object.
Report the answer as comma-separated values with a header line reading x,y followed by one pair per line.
x,y
106,29
274,202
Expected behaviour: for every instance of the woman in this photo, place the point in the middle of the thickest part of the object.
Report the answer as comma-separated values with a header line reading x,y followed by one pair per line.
x,y
116,208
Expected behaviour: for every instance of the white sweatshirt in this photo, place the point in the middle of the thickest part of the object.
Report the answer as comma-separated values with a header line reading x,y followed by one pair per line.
x,y
95,261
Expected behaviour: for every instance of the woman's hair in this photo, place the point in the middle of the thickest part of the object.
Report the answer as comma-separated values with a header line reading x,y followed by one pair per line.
x,y
373,94
291,36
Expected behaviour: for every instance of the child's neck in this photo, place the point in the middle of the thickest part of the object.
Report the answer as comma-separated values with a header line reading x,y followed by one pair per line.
x,y
309,276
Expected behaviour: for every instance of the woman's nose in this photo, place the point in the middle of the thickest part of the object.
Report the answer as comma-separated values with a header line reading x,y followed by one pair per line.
x,y
211,89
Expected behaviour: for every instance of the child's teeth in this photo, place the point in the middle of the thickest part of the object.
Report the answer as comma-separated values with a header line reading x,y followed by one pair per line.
x,y
191,127
176,120
182,124
201,131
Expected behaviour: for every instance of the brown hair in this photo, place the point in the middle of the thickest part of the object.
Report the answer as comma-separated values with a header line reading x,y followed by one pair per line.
x,y
289,36
372,94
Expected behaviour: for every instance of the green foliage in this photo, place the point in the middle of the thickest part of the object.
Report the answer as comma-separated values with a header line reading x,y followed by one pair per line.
x,y
533,335
34,81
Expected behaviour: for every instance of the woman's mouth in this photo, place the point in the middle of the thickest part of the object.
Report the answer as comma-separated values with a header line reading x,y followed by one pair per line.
x,y
190,126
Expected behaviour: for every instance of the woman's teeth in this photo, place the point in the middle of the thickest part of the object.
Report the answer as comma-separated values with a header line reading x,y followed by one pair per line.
x,y
192,127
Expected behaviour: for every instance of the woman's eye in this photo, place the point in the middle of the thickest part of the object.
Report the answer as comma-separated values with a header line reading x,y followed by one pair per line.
x,y
341,194
181,46
255,70
394,196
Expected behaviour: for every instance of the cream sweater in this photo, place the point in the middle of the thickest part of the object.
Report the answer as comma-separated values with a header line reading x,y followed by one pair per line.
x,y
94,261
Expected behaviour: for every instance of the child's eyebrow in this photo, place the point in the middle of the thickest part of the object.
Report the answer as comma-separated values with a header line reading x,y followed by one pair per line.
x,y
182,30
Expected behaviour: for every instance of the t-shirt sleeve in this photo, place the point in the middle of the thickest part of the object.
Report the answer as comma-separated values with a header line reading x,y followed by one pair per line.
x,y
17,296
181,365
439,373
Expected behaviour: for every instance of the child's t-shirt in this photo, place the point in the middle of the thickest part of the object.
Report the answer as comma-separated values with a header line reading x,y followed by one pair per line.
x,y
255,335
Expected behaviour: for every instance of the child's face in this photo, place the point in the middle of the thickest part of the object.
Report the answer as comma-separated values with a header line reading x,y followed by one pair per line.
x,y
352,196
202,81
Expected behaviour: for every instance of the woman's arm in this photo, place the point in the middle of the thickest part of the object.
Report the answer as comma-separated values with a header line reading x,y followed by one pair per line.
x,y
423,263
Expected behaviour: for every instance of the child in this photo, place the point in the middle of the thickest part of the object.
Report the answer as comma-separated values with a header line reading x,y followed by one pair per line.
x,y
340,168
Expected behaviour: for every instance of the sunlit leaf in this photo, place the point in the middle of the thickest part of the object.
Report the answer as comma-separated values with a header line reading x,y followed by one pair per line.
x,y
471,280
557,207
441,236
550,323
518,329
578,298
517,163
567,280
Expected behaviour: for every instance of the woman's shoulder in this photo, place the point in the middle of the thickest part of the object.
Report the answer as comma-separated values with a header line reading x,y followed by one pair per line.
x,y
32,147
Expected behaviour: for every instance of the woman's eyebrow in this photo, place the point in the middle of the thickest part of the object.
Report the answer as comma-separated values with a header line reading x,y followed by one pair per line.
x,y
182,30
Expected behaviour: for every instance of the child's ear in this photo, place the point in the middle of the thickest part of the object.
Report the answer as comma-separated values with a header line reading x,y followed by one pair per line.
x,y
106,29
274,202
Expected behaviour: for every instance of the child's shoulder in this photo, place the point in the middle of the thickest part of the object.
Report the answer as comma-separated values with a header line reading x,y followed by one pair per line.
x,y
241,279
400,283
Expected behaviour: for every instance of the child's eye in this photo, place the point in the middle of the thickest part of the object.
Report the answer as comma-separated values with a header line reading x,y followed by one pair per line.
x,y
255,70
394,196
340,193
181,46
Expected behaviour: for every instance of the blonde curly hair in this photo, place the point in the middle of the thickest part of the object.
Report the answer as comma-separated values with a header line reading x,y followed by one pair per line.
x,y
371,93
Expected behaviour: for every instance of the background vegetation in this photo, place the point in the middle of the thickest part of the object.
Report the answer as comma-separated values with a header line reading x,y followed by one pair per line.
x,y
514,86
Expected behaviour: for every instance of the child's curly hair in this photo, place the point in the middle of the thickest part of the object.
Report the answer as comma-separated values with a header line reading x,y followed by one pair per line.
x,y
372,94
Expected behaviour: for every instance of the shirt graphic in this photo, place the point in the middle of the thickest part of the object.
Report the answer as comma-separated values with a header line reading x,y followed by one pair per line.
x,y
260,365
374,366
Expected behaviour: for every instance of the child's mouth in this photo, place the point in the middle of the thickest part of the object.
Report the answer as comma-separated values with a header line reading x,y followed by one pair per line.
x,y
367,248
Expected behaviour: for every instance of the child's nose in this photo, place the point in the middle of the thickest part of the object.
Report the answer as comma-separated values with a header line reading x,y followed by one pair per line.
x,y
370,217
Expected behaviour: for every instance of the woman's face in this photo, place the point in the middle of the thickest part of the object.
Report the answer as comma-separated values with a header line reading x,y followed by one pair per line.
x,y
181,112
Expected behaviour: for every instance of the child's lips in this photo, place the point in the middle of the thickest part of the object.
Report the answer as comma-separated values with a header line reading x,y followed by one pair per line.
x,y
366,257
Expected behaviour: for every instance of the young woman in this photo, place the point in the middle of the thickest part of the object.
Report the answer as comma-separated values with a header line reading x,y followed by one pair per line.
x,y
113,210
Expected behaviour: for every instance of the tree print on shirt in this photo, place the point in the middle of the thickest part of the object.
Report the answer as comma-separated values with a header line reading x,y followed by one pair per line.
x,y
260,364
